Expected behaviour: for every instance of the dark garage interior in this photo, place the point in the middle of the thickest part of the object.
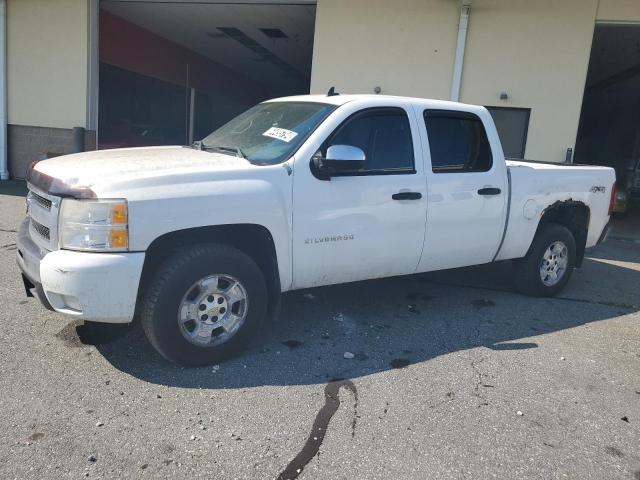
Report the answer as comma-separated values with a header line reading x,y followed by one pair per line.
x,y
609,131
172,72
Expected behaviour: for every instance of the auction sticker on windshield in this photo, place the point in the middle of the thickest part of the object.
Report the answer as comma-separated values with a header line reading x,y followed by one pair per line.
x,y
280,134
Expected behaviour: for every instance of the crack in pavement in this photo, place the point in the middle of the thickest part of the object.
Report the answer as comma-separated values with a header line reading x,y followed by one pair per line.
x,y
477,341
476,389
318,431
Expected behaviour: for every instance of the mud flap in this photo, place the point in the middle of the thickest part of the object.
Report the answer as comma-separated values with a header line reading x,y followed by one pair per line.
x,y
27,286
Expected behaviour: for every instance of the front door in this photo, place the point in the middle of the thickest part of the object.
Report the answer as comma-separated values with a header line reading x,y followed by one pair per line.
x,y
365,224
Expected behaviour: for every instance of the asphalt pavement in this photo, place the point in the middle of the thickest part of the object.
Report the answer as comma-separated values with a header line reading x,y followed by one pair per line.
x,y
453,376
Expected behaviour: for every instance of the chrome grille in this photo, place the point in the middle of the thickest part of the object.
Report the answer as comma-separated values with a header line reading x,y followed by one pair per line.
x,y
40,200
42,210
44,232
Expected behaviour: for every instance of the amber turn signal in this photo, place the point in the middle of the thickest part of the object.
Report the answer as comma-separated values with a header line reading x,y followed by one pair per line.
x,y
119,214
119,238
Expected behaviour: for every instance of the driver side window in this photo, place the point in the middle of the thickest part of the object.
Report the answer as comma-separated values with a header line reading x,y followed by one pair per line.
x,y
384,135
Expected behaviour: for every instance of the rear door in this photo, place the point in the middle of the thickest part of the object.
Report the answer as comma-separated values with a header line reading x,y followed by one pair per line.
x,y
467,190
364,224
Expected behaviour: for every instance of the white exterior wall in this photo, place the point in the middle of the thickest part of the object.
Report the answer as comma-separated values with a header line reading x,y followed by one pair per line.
x,y
619,10
405,47
536,51
47,65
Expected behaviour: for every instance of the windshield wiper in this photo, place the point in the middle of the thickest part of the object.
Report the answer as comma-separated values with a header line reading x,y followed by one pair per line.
x,y
237,150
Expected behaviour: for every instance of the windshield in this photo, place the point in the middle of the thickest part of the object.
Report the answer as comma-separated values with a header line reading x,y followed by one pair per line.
x,y
269,132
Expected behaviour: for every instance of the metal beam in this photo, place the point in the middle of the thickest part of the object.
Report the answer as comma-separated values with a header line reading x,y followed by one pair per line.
x,y
4,170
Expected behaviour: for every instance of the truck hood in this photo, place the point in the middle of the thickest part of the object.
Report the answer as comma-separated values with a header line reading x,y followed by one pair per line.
x,y
88,171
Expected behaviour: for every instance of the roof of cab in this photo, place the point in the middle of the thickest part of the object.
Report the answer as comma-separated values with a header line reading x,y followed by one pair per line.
x,y
341,99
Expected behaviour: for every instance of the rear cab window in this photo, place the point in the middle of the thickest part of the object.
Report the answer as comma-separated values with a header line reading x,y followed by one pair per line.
x,y
457,141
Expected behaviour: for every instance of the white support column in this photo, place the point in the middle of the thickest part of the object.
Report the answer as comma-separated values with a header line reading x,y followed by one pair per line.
x,y
93,65
465,7
4,170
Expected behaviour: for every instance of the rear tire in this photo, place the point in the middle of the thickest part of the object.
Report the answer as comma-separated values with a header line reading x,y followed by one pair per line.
x,y
214,281
549,263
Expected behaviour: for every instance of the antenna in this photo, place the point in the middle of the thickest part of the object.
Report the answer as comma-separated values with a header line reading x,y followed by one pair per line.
x,y
332,92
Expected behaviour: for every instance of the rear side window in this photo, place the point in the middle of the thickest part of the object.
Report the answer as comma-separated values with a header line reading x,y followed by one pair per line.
x,y
458,142
384,134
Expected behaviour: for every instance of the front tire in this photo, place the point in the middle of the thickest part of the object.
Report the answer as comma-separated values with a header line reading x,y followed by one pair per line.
x,y
549,263
204,304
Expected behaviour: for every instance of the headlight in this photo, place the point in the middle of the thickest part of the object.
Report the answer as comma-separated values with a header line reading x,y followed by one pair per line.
x,y
94,225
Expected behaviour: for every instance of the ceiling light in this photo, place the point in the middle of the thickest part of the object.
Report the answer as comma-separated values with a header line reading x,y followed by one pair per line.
x,y
274,33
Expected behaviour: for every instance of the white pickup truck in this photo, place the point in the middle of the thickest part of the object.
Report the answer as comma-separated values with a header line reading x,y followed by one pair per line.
x,y
199,242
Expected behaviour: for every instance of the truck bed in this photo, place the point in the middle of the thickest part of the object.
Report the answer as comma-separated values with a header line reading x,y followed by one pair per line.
x,y
540,164
534,186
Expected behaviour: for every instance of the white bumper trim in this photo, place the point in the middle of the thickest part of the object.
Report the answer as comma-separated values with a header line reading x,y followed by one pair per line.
x,y
100,287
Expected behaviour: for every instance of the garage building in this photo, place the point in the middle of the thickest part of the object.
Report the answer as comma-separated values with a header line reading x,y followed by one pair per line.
x,y
562,79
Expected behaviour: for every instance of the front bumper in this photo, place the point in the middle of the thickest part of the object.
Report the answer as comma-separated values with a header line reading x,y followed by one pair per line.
x,y
100,287
28,256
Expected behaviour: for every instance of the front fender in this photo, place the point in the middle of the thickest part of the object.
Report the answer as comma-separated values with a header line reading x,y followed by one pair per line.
x,y
225,202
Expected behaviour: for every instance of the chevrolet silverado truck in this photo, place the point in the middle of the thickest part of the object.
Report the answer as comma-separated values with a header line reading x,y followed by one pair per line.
x,y
199,242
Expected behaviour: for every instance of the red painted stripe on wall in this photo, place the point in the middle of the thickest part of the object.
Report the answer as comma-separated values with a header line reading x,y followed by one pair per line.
x,y
126,45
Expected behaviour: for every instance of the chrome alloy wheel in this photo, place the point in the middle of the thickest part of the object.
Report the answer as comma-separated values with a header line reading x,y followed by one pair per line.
x,y
554,263
213,310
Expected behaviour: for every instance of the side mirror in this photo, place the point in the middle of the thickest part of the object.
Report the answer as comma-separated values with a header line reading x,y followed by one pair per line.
x,y
339,159
344,158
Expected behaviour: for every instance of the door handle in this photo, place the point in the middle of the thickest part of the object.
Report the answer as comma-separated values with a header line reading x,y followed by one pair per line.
x,y
407,196
489,191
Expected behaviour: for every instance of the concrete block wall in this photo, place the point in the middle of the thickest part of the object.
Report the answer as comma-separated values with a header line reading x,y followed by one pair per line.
x,y
26,144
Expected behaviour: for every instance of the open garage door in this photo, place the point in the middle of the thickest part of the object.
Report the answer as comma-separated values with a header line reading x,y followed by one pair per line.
x,y
172,72
609,132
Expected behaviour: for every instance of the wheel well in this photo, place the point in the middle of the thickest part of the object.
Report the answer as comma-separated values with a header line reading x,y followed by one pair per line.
x,y
254,240
574,216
